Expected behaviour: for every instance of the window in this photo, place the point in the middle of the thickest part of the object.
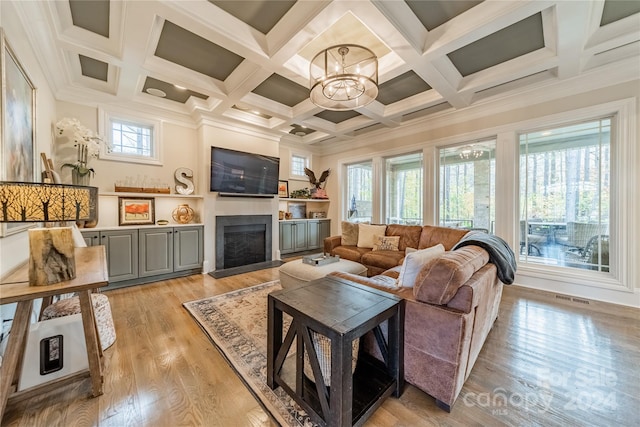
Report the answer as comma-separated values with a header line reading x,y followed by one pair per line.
x,y
131,139
298,163
467,186
565,188
359,192
403,180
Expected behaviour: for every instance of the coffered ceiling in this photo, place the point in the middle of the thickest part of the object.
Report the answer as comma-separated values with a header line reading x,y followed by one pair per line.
x,y
246,63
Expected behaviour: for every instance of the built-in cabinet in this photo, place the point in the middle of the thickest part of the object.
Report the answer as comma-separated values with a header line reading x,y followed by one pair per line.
x,y
142,255
303,235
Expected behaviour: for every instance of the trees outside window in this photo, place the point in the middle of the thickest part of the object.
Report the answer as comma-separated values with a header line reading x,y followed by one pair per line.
x,y
359,192
565,195
403,179
467,186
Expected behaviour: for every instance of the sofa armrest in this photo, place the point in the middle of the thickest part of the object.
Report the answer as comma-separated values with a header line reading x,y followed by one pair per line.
x,y
330,243
439,280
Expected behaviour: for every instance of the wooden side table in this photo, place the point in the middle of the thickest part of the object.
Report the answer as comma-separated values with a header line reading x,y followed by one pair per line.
x,y
91,273
342,311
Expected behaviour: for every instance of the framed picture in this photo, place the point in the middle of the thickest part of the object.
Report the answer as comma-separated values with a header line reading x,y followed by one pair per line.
x,y
17,131
136,211
283,188
298,210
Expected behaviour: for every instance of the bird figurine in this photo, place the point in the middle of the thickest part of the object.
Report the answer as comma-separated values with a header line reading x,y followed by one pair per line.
x,y
318,192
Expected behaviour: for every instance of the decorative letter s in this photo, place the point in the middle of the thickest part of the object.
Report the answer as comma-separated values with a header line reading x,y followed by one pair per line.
x,y
181,176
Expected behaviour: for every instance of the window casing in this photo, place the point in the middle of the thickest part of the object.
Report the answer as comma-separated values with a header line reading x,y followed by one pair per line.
x,y
298,163
403,179
359,192
565,195
131,139
468,186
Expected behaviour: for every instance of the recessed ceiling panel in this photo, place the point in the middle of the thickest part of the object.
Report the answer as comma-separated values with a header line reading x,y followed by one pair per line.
x,y
93,68
172,92
346,30
189,50
614,10
91,15
337,116
247,109
401,87
282,90
300,130
432,14
262,15
511,42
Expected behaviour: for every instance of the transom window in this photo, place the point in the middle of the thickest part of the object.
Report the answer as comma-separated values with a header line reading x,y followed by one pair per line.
x,y
298,163
131,138
135,139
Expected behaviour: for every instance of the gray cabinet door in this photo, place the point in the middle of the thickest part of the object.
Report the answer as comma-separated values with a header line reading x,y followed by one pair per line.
x,y
156,251
188,248
325,231
286,237
313,234
91,238
299,236
122,254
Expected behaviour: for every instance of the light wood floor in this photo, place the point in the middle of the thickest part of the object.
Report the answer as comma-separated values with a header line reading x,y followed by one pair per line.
x,y
546,362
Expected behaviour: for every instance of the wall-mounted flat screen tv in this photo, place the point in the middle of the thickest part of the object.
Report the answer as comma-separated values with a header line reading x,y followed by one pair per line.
x,y
237,172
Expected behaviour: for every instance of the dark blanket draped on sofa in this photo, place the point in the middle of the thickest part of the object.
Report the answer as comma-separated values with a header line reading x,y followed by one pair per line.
x,y
500,253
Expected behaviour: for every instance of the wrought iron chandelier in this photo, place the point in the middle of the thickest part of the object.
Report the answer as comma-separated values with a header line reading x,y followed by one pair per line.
x,y
344,77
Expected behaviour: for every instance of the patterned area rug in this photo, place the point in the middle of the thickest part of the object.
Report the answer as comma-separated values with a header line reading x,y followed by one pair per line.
x,y
236,323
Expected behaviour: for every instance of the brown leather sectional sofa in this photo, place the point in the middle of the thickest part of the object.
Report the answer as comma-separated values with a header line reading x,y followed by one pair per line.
x,y
449,311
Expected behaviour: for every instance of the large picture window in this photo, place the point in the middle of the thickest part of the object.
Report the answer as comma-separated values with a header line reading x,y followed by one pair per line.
x,y
359,192
467,186
565,195
403,178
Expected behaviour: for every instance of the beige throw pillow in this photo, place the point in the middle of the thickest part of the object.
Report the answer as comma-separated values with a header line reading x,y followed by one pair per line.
x,y
386,243
366,233
349,233
413,263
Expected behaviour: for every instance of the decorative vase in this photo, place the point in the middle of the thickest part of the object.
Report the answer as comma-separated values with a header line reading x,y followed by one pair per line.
x,y
183,214
77,179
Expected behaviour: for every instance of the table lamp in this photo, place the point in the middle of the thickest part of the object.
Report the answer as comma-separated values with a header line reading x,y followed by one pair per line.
x,y
51,249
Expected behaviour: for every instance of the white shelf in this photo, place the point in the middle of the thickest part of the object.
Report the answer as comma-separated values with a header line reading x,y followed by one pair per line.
x,y
173,195
288,199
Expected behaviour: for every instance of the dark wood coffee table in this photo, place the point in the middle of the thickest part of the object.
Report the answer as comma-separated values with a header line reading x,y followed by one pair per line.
x,y
342,311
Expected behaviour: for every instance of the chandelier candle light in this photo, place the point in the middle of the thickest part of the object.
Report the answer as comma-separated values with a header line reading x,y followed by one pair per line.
x,y
344,77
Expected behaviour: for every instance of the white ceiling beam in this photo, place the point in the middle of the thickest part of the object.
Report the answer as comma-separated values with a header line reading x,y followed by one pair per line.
x,y
567,25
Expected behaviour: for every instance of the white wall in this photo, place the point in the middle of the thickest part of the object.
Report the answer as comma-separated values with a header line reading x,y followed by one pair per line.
x,y
14,249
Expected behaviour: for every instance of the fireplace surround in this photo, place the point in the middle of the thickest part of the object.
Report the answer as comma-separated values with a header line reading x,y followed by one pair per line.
x,y
242,240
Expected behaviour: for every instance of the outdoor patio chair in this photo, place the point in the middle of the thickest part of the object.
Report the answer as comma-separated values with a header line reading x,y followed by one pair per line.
x,y
578,234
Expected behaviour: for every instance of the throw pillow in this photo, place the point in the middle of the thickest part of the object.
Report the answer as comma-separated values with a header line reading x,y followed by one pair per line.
x,y
385,243
366,233
413,263
349,233
408,250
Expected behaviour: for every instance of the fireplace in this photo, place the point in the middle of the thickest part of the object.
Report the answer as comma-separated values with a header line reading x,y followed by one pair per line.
x,y
242,240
